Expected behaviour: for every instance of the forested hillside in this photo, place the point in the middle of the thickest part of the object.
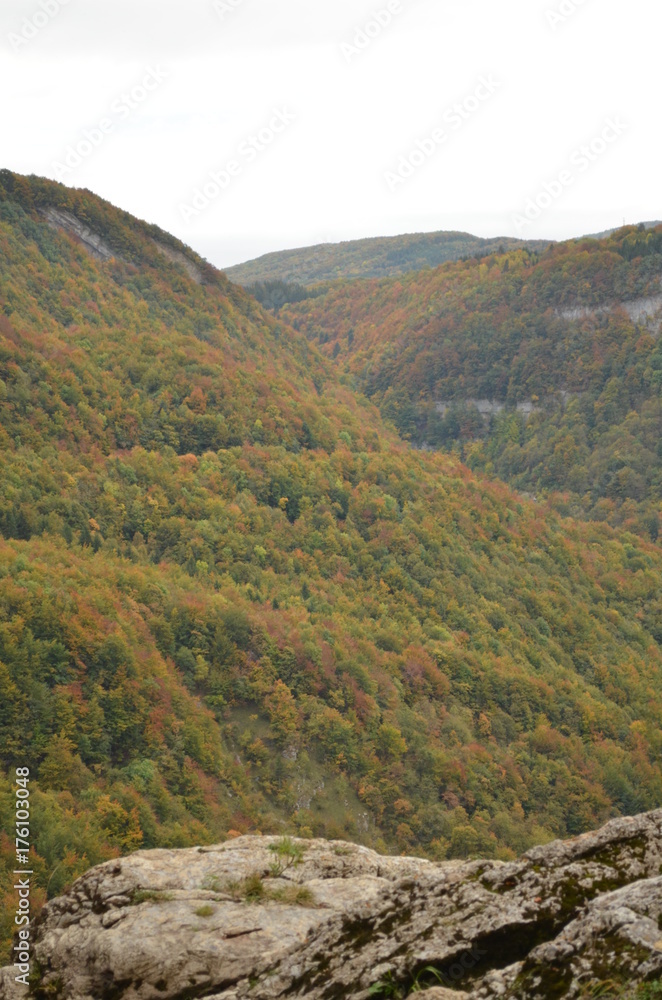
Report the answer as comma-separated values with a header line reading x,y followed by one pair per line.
x,y
231,599
610,232
378,257
545,370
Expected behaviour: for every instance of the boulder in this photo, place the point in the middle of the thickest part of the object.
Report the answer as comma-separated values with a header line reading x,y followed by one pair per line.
x,y
261,918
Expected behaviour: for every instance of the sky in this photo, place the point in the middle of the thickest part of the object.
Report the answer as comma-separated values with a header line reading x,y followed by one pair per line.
x,y
247,126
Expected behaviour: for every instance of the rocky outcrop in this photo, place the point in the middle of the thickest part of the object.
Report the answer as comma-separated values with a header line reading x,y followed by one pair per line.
x,y
101,250
264,918
93,243
177,257
642,310
486,407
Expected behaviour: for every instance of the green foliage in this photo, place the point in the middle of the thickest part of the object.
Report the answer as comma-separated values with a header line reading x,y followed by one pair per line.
x,y
613,990
277,278
248,890
519,365
423,978
255,888
289,854
292,895
232,600
386,987
275,294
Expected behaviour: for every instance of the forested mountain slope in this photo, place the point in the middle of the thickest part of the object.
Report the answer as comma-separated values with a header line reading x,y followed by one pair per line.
x,y
377,257
543,369
610,232
232,599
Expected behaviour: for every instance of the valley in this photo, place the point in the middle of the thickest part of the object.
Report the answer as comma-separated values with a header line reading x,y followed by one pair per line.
x,y
560,350
234,600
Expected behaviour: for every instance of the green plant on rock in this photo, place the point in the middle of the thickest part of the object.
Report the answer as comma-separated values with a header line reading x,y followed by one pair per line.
x,y
421,983
255,889
150,896
288,854
212,883
650,991
610,989
387,987
607,988
248,890
294,895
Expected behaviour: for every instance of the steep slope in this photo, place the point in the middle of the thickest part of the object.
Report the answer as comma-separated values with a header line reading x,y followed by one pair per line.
x,y
232,599
378,257
544,370
610,232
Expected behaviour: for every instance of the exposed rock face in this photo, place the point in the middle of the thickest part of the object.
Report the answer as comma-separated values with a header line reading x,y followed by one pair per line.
x,y
259,918
176,257
92,242
98,248
642,310
618,936
486,407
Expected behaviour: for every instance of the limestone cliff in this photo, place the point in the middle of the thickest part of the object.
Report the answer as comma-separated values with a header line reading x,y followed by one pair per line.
x,y
265,918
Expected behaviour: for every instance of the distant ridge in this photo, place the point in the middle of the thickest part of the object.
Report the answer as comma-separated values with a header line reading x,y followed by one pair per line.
x,y
544,370
232,600
610,232
377,257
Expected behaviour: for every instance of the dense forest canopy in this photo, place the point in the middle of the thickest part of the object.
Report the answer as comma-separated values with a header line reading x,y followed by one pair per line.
x,y
232,599
378,257
543,369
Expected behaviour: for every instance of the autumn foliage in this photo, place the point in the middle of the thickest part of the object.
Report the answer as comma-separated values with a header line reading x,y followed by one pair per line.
x,y
231,599
559,340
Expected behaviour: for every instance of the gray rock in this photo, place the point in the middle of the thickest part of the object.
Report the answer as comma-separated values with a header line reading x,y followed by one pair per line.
x,y
440,993
177,257
617,937
93,243
239,921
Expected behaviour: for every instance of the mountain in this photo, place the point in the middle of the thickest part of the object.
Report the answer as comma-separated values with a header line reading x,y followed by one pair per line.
x,y
370,258
610,232
233,600
271,917
545,370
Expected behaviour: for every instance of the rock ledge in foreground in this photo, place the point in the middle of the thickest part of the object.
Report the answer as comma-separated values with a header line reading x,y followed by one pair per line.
x,y
263,918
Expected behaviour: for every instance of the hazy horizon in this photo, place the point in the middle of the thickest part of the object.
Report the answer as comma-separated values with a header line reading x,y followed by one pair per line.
x,y
422,232
244,127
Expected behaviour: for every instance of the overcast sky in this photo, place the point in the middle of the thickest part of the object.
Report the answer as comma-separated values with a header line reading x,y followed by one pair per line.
x,y
325,120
